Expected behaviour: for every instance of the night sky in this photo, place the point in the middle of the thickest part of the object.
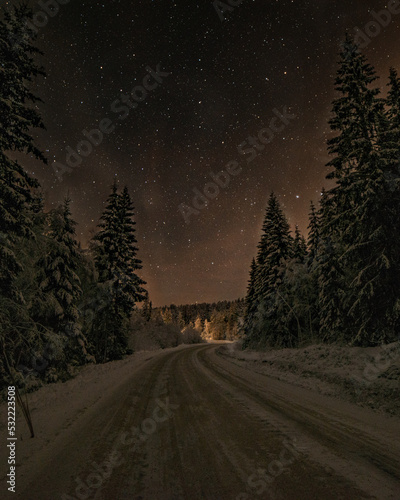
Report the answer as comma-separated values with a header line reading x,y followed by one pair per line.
x,y
226,81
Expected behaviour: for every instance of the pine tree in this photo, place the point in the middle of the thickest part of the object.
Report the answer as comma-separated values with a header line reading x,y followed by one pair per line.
x,y
276,245
357,219
251,296
390,138
313,234
107,252
198,324
18,202
131,290
18,69
57,306
147,306
393,103
181,321
299,246
116,261
274,251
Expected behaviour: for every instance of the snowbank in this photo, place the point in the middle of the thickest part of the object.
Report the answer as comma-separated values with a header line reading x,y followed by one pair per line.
x,y
366,376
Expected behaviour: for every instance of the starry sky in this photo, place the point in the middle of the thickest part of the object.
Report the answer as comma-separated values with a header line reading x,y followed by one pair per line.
x,y
218,84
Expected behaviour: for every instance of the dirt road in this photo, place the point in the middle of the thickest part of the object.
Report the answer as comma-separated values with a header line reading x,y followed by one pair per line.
x,y
189,424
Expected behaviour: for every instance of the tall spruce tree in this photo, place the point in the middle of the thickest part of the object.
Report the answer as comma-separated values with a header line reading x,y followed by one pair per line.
x,y
357,214
18,201
251,297
276,245
390,138
313,234
17,118
274,250
131,289
116,262
59,285
299,246
393,103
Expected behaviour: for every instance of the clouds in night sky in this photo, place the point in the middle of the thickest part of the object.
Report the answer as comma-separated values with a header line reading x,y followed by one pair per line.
x,y
226,79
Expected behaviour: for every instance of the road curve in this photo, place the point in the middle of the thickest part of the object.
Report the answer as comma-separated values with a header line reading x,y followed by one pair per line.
x,y
190,424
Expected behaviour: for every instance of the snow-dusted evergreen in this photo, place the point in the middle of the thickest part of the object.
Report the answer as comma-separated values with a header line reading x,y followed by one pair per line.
x,y
251,297
276,245
347,288
299,246
313,239
17,118
359,219
57,303
19,202
52,307
274,249
117,264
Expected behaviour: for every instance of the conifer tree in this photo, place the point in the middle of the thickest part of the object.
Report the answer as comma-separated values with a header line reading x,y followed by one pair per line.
x,y
393,103
251,300
313,234
18,202
274,250
17,119
131,290
358,215
116,261
299,246
147,306
107,253
59,285
276,245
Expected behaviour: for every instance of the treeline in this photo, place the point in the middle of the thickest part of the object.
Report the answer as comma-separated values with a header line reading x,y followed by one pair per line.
x,y
344,284
216,321
60,306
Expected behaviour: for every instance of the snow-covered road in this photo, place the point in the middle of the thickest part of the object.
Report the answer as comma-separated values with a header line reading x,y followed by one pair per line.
x,y
187,423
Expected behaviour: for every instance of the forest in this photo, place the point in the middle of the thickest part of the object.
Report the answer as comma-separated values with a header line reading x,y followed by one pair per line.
x,y
62,306
342,285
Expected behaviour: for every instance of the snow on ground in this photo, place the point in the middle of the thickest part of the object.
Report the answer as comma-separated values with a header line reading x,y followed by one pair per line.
x,y
55,407
369,377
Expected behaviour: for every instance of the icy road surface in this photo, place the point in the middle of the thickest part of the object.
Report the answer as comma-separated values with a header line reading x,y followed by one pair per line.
x,y
187,423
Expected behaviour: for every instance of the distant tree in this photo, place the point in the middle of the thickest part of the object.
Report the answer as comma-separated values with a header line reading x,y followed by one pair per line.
x,y
299,246
147,306
198,324
181,321
313,233
166,315
207,332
